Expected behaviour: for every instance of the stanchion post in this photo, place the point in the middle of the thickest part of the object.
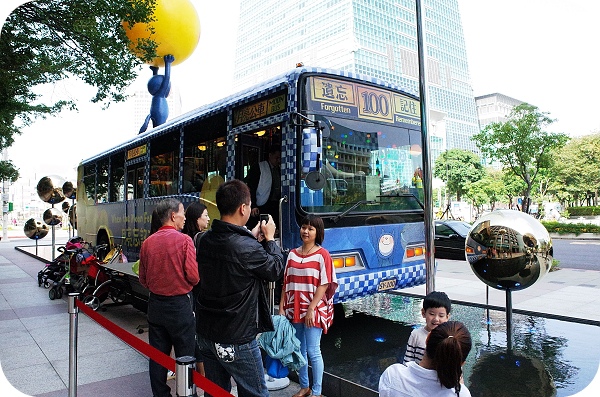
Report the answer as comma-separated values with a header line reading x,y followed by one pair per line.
x,y
73,313
184,376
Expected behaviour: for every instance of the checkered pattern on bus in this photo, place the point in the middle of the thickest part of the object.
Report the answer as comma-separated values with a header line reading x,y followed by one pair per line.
x,y
366,284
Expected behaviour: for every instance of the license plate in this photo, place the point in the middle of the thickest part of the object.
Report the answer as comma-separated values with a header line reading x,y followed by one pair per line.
x,y
386,284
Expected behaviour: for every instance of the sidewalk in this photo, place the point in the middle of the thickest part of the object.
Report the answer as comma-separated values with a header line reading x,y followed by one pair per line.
x,y
34,329
569,294
34,337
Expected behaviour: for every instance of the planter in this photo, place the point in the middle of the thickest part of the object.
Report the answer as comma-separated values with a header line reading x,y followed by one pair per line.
x,y
573,236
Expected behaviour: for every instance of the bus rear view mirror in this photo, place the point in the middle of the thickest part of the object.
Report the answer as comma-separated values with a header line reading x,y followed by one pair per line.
x,y
315,180
323,128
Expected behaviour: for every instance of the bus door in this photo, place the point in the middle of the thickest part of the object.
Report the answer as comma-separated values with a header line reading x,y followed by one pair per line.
x,y
248,153
252,148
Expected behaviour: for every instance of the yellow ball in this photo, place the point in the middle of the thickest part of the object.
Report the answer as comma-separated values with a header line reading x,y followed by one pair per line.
x,y
176,30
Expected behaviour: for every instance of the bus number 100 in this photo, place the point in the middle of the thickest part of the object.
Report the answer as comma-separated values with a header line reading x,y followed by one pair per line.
x,y
375,103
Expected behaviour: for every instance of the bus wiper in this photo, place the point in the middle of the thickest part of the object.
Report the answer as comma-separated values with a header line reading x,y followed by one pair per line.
x,y
354,206
406,195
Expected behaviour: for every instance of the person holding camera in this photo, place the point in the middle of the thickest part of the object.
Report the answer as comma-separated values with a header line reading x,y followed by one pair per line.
x,y
232,307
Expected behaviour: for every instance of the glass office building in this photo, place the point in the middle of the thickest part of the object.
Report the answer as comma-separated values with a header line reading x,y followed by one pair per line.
x,y
372,37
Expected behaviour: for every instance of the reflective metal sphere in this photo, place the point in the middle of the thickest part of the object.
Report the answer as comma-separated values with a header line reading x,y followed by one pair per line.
x,y
49,191
509,250
65,207
69,190
52,216
73,216
35,230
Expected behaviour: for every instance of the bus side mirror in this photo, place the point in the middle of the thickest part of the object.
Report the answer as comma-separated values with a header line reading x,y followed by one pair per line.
x,y
323,128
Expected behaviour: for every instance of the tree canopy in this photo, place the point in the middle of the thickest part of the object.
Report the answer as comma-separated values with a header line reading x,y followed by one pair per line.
x,y
576,171
457,168
43,42
521,144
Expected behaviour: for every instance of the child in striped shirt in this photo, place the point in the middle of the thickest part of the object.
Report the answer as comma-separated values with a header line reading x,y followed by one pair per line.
x,y
435,311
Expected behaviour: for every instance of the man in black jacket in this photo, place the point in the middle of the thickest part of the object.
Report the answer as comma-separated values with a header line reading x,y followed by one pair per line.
x,y
232,306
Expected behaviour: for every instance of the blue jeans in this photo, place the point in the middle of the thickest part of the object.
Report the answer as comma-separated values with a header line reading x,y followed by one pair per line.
x,y
242,362
310,345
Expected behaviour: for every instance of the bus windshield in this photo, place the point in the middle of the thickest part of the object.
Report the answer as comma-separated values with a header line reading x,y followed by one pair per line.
x,y
367,167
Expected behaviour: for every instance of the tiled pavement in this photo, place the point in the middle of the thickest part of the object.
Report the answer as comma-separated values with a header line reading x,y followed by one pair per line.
x,y
34,337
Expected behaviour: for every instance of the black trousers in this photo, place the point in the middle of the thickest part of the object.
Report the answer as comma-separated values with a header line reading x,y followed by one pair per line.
x,y
171,324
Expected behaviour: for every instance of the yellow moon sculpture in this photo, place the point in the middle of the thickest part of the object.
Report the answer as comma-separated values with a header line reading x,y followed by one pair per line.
x,y
176,30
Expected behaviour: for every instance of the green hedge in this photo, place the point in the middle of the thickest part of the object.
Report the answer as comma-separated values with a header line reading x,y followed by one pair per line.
x,y
565,228
584,211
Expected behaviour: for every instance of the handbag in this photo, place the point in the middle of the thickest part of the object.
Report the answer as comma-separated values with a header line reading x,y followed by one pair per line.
x,y
275,368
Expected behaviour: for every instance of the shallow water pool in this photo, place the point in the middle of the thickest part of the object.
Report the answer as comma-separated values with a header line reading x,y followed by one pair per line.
x,y
549,357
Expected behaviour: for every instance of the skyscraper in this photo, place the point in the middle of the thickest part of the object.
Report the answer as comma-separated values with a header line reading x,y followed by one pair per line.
x,y
372,37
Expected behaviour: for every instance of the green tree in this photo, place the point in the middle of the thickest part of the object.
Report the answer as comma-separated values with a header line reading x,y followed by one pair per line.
x,y
521,144
43,42
457,168
8,172
577,169
487,190
513,186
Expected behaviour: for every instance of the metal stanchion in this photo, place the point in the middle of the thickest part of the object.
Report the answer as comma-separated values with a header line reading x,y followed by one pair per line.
x,y
184,378
73,313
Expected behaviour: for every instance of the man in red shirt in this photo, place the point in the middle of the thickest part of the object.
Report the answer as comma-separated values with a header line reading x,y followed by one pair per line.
x,y
168,268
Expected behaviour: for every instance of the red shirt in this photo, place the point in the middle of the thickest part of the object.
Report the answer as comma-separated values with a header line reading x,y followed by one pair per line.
x,y
168,263
303,275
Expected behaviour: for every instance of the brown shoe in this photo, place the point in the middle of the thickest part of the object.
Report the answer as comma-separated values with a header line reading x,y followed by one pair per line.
x,y
303,392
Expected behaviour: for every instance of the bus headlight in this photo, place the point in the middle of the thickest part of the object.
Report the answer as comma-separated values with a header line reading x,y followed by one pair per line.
x,y
347,262
414,252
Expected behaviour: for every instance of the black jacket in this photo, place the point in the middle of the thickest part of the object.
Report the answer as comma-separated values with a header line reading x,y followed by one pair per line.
x,y
234,267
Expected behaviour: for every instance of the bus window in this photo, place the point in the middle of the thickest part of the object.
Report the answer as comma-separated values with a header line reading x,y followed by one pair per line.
x,y
135,183
102,182
89,181
193,172
164,165
117,179
365,162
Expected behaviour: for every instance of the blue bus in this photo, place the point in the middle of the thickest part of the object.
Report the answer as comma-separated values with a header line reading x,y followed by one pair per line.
x,y
350,153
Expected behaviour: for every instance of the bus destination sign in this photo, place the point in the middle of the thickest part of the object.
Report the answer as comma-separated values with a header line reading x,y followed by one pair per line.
x,y
258,110
137,152
339,97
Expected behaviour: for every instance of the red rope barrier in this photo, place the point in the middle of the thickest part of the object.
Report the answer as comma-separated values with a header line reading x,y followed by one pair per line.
x,y
151,352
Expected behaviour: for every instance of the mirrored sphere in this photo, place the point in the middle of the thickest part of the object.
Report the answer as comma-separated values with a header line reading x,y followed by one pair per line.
x,y
73,216
65,207
49,190
52,216
69,190
509,250
35,230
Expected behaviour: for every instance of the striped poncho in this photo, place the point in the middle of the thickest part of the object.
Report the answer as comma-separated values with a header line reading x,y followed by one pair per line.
x,y
303,275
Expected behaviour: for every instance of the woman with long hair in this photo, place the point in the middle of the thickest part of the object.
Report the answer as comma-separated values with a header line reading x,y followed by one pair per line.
x,y
439,373
196,219
196,222
309,283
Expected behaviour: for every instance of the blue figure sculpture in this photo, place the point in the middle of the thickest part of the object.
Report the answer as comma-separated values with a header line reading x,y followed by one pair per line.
x,y
159,87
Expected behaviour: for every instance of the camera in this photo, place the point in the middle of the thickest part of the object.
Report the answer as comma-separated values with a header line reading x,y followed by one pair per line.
x,y
264,217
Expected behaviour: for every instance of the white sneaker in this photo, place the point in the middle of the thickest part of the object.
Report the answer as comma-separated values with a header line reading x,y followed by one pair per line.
x,y
170,375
